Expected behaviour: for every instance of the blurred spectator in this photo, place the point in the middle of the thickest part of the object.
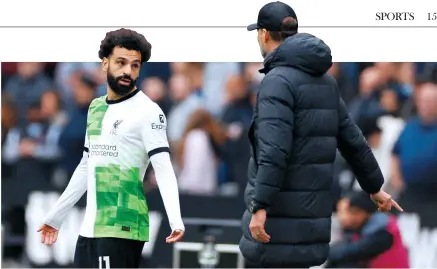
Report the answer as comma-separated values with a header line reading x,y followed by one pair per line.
x,y
367,103
55,118
178,68
186,102
237,115
252,75
8,71
73,136
8,116
158,70
415,158
370,239
399,76
156,90
196,158
64,71
216,75
30,151
27,87
8,123
345,87
24,148
253,78
195,73
409,106
389,101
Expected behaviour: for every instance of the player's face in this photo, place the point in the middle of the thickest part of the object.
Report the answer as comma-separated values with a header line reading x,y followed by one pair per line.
x,y
122,70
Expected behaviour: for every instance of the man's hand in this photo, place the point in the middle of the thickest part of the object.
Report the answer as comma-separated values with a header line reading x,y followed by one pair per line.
x,y
175,236
343,214
27,147
49,235
384,201
256,226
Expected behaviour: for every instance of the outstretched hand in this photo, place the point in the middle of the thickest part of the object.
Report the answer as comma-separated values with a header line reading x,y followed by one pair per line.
x,y
385,202
49,235
175,236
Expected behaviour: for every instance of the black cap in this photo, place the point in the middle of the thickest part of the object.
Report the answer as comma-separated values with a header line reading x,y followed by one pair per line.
x,y
271,15
369,126
361,199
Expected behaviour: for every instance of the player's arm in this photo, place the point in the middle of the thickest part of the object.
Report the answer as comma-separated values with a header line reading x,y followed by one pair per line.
x,y
74,191
156,144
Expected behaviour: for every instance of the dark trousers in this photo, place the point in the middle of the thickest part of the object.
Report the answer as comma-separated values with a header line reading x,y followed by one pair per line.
x,y
252,265
105,253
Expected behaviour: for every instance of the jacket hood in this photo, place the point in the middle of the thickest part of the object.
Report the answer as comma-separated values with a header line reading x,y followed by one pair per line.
x,y
301,51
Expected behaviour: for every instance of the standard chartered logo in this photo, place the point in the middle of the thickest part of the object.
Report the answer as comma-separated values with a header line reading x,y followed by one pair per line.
x,y
104,150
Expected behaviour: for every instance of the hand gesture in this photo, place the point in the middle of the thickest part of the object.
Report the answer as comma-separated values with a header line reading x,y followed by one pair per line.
x,y
49,235
175,236
256,226
384,201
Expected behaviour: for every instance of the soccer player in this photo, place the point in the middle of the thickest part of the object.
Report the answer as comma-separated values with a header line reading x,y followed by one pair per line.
x,y
125,132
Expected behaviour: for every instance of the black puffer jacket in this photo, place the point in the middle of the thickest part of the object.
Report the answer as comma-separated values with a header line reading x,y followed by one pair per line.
x,y
299,122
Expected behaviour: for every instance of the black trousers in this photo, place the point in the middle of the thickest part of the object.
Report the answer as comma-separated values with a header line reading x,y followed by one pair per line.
x,y
105,253
254,265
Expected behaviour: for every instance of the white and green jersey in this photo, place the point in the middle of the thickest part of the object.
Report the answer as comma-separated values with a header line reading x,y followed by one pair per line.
x,y
121,138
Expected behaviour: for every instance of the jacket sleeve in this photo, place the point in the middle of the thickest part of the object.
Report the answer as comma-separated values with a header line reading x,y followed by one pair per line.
x,y
274,137
367,248
355,150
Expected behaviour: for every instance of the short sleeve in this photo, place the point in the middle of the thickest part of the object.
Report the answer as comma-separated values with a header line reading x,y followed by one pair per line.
x,y
86,144
154,132
397,147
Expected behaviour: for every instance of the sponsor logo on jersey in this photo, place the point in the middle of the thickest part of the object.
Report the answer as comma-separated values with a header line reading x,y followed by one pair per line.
x,y
103,150
161,125
115,125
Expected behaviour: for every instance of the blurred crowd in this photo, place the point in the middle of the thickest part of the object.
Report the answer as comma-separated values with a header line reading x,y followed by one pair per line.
x,y
209,108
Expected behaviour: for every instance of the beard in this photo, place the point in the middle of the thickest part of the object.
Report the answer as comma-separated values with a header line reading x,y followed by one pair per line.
x,y
263,51
117,87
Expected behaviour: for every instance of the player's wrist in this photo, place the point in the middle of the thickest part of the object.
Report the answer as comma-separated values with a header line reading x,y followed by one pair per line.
x,y
177,227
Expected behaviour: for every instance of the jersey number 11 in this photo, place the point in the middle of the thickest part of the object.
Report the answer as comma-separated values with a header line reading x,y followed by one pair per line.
x,y
106,260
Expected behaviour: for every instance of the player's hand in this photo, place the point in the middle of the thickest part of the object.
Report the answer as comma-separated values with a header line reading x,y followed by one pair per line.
x,y
384,201
256,226
175,236
49,235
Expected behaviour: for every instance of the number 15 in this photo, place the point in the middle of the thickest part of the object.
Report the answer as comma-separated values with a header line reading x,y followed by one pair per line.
x,y
432,16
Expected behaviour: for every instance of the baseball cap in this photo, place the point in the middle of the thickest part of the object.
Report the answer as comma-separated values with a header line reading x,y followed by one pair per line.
x,y
271,15
362,200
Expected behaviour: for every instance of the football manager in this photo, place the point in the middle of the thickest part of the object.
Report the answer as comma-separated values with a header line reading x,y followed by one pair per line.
x,y
299,122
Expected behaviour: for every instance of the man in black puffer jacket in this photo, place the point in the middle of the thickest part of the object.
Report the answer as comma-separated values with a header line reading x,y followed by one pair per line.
x,y
299,121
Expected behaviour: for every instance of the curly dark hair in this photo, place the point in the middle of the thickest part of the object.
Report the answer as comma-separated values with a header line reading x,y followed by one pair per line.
x,y
127,39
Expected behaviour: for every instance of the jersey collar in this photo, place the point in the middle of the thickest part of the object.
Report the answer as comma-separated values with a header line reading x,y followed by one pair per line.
x,y
110,102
